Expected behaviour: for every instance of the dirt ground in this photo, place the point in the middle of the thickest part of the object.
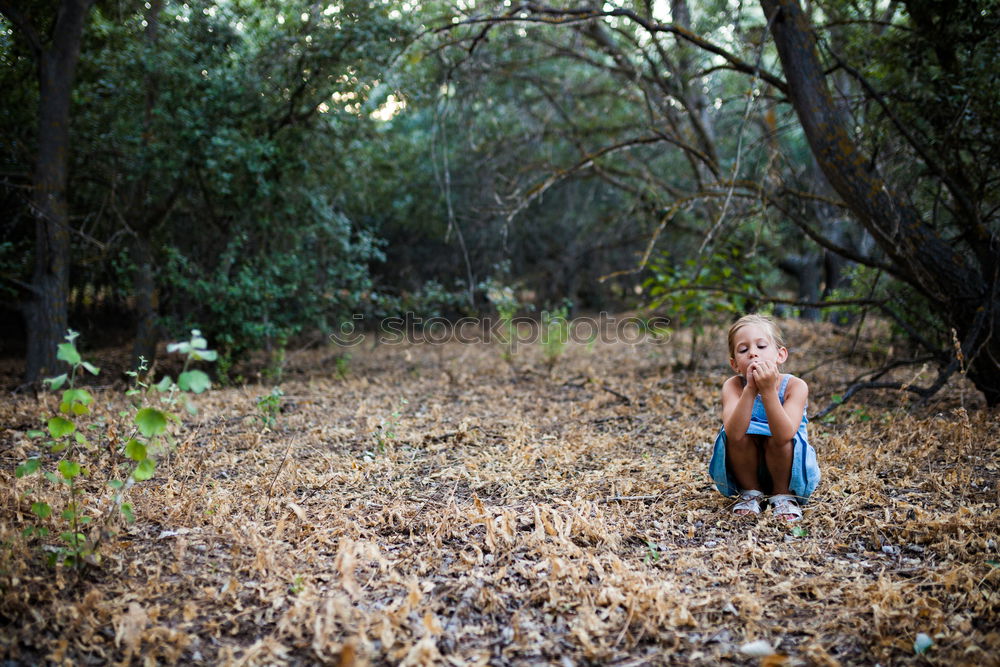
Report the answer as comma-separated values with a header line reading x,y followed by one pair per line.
x,y
432,504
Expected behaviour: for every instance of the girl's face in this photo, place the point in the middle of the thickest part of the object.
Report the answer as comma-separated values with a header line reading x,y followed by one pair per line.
x,y
753,343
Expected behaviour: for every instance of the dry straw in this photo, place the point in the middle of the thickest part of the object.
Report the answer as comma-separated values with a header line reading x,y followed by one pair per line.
x,y
516,518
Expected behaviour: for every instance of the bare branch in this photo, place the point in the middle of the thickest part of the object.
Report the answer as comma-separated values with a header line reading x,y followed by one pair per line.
x,y
588,160
568,16
838,303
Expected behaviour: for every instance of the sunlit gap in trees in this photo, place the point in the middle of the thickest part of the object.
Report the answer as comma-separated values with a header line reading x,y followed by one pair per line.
x,y
404,8
388,109
351,101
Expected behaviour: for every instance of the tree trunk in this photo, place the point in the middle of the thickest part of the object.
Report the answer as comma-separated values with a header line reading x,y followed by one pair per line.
x,y
964,293
46,313
147,325
807,270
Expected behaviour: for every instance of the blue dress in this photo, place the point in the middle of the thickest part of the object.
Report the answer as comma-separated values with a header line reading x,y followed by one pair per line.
x,y
805,469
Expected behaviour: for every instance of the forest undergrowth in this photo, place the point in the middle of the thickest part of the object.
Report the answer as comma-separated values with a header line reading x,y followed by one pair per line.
x,y
434,504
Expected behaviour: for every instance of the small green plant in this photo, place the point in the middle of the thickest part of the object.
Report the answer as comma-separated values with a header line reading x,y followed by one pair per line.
x,y
504,300
555,334
652,552
342,363
861,415
63,439
277,355
72,457
385,430
269,407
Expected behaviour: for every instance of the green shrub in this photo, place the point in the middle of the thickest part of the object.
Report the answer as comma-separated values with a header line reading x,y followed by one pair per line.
x,y
80,447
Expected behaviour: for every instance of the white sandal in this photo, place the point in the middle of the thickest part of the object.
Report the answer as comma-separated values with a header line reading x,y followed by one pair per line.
x,y
785,506
749,503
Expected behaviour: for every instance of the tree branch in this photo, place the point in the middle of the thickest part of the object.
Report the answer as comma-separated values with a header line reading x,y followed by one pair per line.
x,y
839,303
557,16
540,188
824,242
968,209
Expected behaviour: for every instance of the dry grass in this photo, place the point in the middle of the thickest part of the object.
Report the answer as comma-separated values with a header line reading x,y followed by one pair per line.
x,y
520,518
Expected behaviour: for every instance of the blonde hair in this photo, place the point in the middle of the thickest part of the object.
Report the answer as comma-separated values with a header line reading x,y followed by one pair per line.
x,y
762,321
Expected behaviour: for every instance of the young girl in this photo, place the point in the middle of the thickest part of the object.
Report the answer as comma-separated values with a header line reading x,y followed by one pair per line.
x,y
763,447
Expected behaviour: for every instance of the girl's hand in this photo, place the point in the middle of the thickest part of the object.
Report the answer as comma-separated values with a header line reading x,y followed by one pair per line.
x,y
751,385
765,375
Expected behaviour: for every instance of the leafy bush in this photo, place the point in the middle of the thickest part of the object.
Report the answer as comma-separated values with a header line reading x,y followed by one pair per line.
x,y
705,290
253,298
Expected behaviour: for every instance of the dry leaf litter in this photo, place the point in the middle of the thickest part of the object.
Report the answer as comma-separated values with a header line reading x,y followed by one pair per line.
x,y
438,506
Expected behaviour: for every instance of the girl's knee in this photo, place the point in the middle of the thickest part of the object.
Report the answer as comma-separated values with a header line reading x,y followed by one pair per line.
x,y
772,445
746,442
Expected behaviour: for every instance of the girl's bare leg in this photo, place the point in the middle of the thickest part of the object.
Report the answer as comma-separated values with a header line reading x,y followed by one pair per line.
x,y
743,455
778,459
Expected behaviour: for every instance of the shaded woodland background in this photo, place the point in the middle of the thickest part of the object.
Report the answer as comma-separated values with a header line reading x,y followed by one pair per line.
x,y
273,173
264,170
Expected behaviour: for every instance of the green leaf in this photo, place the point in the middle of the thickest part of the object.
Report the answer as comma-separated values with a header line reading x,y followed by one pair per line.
x,y
68,469
41,510
194,381
993,563
128,513
73,539
197,341
91,368
60,446
77,396
799,531
164,384
28,467
144,470
182,348
205,355
80,409
67,352
116,483
52,477
58,427
36,434
151,422
81,439
68,514
56,382
135,450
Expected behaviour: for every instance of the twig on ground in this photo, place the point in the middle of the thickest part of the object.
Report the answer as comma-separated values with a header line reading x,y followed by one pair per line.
x,y
925,393
618,499
623,397
277,472
589,380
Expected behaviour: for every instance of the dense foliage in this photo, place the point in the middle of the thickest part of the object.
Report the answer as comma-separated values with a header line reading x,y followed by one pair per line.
x,y
257,170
